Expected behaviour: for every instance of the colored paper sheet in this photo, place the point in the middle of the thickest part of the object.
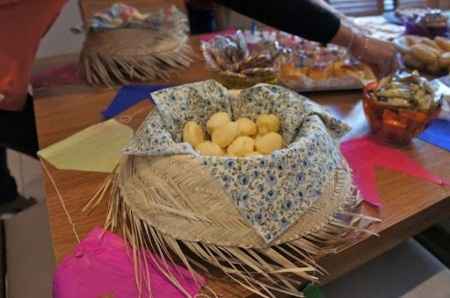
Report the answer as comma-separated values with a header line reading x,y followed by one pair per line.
x,y
313,291
364,155
209,36
102,267
438,134
128,96
95,149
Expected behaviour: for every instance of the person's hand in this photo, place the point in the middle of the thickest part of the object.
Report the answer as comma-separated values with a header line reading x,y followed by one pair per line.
x,y
380,55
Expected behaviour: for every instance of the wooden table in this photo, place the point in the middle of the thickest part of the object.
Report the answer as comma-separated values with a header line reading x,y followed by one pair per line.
x,y
410,205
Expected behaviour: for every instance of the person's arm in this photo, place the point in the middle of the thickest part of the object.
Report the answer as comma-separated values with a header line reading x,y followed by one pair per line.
x,y
318,21
305,18
23,24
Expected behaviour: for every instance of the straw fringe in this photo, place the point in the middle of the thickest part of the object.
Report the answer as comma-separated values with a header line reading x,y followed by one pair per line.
x,y
122,56
280,268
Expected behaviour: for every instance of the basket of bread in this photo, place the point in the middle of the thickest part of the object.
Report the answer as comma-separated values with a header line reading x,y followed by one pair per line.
x,y
425,54
250,183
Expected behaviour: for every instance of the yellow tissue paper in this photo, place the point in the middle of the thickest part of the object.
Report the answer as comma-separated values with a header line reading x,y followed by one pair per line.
x,y
94,149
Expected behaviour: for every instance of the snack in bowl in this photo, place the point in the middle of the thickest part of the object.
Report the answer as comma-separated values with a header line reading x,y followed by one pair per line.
x,y
400,106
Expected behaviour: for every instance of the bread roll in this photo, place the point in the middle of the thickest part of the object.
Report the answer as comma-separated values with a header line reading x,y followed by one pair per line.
x,y
425,53
209,148
267,123
217,120
246,127
413,39
269,143
193,133
241,146
443,43
225,135
432,44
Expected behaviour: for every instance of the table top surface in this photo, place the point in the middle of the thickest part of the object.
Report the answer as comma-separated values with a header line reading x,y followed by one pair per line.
x,y
410,205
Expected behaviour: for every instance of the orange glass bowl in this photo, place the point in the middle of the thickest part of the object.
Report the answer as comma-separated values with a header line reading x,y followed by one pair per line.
x,y
394,124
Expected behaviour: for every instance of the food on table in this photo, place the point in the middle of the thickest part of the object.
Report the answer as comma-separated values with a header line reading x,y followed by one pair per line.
x,y
241,146
311,66
238,63
444,59
241,138
209,148
217,120
247,58
269,142
400,106
247,127
443,43
422,53
193,133
424,22
267,123
225,135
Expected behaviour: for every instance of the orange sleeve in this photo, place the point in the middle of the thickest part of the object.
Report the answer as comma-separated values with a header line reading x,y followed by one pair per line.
x,y
23,23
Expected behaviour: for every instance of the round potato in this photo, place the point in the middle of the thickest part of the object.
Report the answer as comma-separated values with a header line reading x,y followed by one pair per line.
x,y
267,123
217,120
269,143
246,127
193,133
209,148
241,146
225,135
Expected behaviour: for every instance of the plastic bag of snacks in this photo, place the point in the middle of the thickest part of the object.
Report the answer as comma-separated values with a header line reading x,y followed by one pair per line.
x,y
238,62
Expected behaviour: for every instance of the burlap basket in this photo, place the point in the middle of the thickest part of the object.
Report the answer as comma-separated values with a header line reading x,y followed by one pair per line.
x,y
123,55
262,221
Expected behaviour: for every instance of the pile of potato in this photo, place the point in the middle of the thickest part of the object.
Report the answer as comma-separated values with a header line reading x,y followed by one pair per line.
x,y
425,54
240,138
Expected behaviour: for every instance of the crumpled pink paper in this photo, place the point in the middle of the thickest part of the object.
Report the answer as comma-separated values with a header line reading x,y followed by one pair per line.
x,y
364,154
102,267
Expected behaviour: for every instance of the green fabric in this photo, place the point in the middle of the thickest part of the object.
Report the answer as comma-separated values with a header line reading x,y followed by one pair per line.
x,y
312,291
